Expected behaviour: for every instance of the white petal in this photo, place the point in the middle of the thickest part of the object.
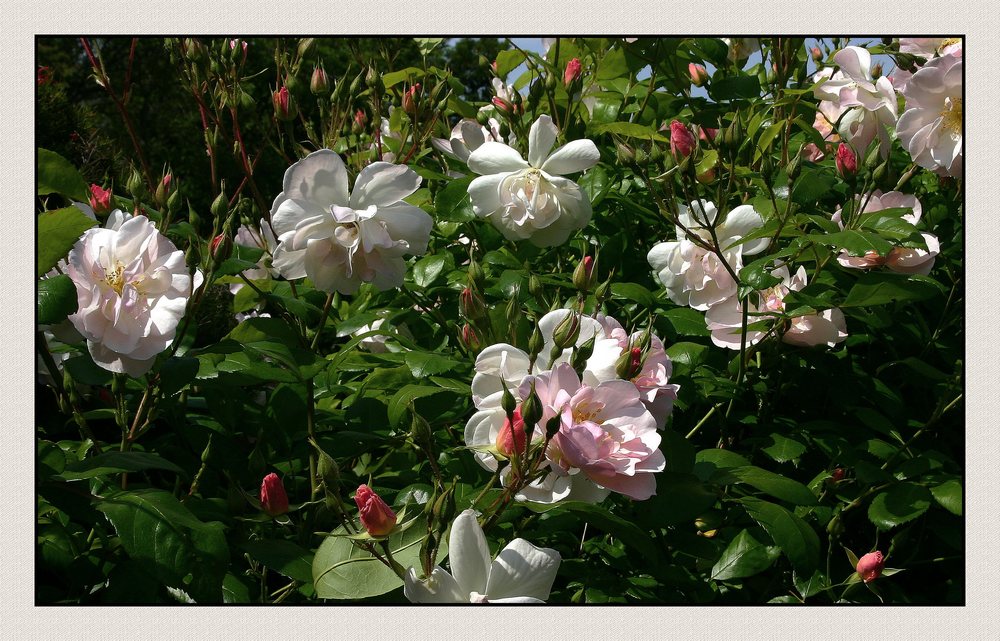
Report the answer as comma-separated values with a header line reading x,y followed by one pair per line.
x,y
740,222
319,178
572,157
485,193
855,62
382,183
468,553
495,158
440,588
540,140
409,223
523,569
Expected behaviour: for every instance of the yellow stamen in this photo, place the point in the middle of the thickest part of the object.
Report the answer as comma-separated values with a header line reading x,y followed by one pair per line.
x,y
952,115
116,277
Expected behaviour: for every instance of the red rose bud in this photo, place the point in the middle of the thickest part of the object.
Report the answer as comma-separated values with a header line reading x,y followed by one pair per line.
x,y
376,515
837,474
870,566
847,161
699,75
359,122
273,499
44,75
512,437
222,246
502,105
410,99
817,55
284,104
471,304
583,275
682,141
572,72
470,338
707,133
100,199
319,84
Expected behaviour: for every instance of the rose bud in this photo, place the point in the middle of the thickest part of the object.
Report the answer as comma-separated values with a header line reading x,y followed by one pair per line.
x,y
699,75
512,438
567,331
376,515
319,84
572,72
846,161
817,55
470,338
682,141
273,498
100,199
471,304
870,566
583,275
284,104
410,99
502,105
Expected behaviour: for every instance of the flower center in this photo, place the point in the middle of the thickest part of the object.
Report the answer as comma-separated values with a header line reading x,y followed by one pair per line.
x,y
947,42
115,278
586,411
952,115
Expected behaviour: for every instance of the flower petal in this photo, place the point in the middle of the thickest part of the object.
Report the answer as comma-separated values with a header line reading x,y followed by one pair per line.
x,y
495,158
382,183
468,553
485,193
441,587
572,157
523,570
320,178
540,140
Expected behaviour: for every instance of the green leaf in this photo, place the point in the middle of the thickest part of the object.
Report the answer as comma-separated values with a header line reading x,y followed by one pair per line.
x,y
633,292
158,531
423,364
427,45
709,462
630,534
402,399
679,498
507,61
715,50
811,186
452,203
686,355
778,486
758,274
949,496
284,557
176,373
395,77
857,243
744,556
427,269
242,259
796,539
56,299
879,288
812,585
58,231
341,570
116,463
58,175
687,321
612,65
783,449
258,329
626,129
734,87
901,504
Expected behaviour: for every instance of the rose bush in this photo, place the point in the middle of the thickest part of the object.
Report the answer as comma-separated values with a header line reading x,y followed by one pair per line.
x,y
633,320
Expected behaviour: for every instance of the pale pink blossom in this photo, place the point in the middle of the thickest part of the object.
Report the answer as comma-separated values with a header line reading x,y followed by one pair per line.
x,y
931,127
905,260
930,48
466,137
132,287
870,105
725,320
694,275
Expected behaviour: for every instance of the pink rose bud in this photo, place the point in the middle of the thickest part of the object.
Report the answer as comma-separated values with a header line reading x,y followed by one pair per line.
x,y
512,437
100,199
870,566
707,133
471,304
470,338
572,72
319,83
817,55
410,99
699,75
376,515
847,161
682,141
493,66
273,499
284,104
502,105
